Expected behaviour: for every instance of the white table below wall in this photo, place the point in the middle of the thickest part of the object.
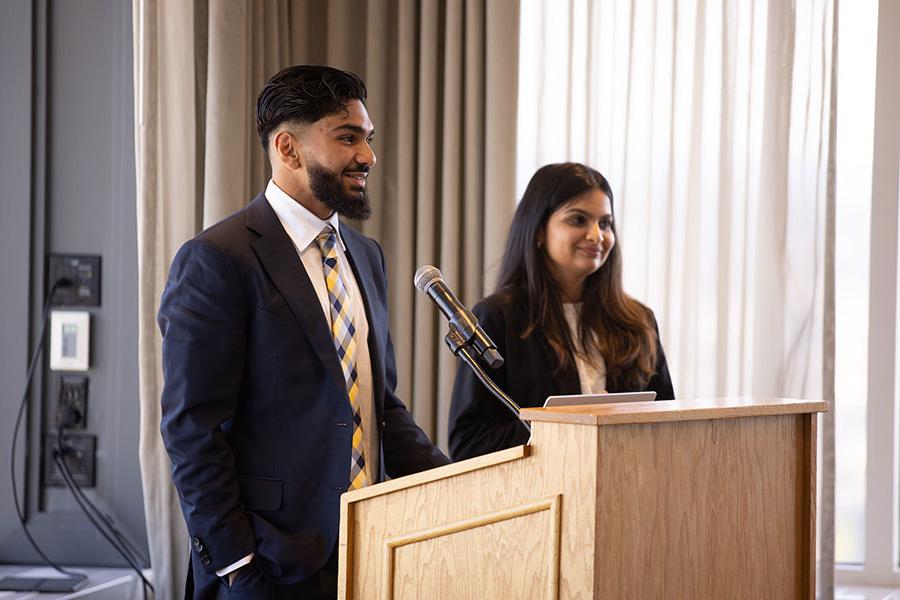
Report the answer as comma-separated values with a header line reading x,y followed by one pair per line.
x,y
102,583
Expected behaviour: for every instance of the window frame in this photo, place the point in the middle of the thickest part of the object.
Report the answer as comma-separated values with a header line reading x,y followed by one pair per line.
x,y
882,522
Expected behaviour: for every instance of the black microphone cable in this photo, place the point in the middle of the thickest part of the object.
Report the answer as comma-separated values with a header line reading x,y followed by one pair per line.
x,y
69,417
59,283
121,544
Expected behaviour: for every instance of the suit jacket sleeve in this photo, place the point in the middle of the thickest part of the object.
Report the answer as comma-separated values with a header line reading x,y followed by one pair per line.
x,y
202,318
660,382
479,423
407,448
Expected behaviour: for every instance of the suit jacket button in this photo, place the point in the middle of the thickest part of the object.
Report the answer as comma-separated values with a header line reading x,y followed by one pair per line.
x,y
196,542
206,561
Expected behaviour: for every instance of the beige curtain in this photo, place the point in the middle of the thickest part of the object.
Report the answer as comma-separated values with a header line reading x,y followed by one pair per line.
x,y
826,524
713,120
442,79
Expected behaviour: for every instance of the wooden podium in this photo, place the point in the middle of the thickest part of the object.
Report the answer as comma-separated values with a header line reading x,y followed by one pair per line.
x,y
677,499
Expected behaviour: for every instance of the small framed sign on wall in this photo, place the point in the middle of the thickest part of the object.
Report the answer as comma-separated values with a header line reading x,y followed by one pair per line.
x,y
69,340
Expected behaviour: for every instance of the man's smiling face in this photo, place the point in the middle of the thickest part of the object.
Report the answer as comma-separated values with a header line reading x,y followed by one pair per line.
x,y
335,157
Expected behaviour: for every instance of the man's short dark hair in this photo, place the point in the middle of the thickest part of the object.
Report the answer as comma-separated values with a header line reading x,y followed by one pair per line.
x,y
304,94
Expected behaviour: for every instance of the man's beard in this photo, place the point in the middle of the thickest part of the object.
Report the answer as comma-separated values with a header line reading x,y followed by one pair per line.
x,y
329,188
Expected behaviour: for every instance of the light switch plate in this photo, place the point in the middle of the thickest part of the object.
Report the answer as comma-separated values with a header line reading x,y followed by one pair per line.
x,y
69,340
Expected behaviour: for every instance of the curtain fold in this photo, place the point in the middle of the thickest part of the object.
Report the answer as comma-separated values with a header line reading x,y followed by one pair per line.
x,y
826,523
442,80
714,122
165,168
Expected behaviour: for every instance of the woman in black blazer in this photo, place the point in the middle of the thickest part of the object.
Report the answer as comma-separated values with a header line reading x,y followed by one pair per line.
x,y
559,317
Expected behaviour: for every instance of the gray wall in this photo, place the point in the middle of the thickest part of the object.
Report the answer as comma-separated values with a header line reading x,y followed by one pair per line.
x,y
67,186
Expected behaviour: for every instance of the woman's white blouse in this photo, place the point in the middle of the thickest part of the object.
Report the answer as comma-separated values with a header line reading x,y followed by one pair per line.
x,y
591,369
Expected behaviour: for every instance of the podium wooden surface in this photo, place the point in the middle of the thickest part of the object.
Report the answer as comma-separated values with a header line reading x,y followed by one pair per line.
x,y
675,499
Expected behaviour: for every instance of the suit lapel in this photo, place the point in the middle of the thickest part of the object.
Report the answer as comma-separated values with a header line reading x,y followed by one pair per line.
x,y
566,380
278,256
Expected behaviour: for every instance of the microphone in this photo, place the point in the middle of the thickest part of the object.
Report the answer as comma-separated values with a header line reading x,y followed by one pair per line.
x,y
430,282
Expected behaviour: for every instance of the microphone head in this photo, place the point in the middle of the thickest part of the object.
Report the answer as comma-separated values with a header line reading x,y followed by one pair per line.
x,y
426,276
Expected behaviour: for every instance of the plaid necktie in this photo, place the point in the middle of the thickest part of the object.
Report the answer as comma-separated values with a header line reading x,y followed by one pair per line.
x,y
343,331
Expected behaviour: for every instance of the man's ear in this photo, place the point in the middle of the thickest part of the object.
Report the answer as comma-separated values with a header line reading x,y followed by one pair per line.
x,y
285,149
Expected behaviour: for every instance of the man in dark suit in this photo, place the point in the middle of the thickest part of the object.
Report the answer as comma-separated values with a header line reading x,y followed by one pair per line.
x,y
279,369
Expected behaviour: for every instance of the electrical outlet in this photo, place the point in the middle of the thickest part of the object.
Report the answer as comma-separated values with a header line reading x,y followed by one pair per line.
x,y
80,455
71,409
84,273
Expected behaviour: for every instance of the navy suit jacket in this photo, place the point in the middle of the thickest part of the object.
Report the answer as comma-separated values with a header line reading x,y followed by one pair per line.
x,y
479,423
255,413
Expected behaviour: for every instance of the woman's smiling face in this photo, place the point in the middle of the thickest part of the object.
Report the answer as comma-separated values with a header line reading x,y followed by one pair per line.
x,y
577,240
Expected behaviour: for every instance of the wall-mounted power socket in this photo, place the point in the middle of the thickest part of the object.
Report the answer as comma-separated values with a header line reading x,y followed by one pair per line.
x,y
79,454
83,271
71,408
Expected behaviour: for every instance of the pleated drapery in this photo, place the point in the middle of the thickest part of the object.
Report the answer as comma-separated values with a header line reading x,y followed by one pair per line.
x,y
442,81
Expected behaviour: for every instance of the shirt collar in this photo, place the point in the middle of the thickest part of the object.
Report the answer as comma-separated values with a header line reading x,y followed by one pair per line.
x,y
301,225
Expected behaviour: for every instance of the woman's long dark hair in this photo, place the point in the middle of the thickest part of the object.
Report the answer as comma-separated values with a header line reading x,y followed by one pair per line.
x,y
612,323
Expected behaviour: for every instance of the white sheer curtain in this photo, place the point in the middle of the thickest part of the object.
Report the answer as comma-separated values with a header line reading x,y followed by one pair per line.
x,y
711,119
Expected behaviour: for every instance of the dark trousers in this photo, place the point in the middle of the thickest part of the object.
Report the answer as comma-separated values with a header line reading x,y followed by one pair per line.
x,y
252,584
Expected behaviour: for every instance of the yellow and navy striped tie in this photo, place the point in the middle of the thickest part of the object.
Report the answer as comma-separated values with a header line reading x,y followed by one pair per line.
x,y
343,331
